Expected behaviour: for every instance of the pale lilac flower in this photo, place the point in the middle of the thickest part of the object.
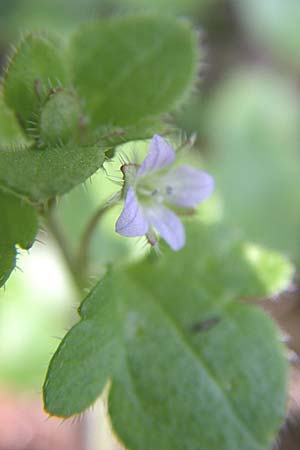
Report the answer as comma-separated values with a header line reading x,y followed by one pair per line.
x,y
153,188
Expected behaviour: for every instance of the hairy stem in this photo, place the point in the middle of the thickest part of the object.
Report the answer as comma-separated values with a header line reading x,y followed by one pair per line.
x,y
82,257
61,240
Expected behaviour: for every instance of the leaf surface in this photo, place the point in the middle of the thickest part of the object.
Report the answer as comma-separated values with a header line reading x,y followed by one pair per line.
x,y
190,367
133,68
39,174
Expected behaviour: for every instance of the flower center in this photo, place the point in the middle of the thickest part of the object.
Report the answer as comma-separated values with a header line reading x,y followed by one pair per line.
x,y
150,190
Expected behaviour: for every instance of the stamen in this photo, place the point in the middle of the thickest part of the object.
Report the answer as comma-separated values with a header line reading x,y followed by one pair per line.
x,y
147,191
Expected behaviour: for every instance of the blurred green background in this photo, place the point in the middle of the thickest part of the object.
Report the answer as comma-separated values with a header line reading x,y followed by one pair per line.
x,y
246,113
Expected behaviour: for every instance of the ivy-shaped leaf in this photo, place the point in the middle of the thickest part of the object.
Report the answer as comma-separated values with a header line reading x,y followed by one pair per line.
x,y
133,68
190,367
18,226
35,67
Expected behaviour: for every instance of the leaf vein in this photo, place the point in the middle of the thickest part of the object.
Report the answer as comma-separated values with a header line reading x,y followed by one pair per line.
x,y
217,386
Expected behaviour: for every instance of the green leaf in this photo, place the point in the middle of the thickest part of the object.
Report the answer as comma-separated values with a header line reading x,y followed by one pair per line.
x,y
60,118
129,69
10,132
39,174
178,348
35,67
18,226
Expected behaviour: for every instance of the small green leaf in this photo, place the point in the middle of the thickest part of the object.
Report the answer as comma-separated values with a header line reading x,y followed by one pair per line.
x,y
35,67
129,69
60,118
10,132
18,226
39,174
178,348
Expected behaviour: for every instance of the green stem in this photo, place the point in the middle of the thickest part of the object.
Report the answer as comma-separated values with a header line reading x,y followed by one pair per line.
x,y
82,258
61,240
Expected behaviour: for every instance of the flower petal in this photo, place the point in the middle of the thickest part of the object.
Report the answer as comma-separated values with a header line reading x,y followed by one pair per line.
x,y
185,186
160,155
168,225
132,221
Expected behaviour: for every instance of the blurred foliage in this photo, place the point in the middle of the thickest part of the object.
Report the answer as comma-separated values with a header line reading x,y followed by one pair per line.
x,y
179,7
33,317
65,15
253,130
273,26
56,15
